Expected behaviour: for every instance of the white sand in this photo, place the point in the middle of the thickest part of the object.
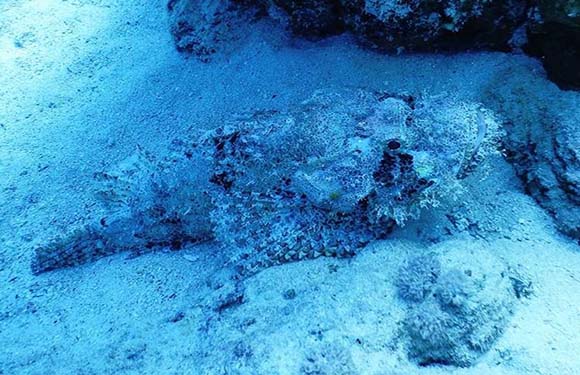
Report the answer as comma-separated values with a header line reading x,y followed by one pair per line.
x,y
83,82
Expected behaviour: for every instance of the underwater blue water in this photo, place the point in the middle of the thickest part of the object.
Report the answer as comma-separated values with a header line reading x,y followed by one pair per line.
x,y
290,207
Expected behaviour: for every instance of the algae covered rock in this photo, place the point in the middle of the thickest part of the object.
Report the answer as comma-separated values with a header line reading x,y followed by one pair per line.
x,y
417,277
466,307
323,178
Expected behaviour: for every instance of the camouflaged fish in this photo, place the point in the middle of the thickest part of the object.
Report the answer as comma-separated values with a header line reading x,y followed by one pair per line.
x,y
322,179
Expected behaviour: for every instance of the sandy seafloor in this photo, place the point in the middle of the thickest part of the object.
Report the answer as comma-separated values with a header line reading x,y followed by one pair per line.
x,y
83,82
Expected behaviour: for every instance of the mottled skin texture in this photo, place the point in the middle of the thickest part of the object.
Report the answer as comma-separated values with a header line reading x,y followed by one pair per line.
x,y
322,179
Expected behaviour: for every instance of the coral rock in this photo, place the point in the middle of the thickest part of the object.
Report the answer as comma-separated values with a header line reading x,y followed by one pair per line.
x,y
463,313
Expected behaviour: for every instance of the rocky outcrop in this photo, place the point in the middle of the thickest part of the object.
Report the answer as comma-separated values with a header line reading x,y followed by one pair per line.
x,y
554,37
552,28
542,141
200,26
434,25
411,25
